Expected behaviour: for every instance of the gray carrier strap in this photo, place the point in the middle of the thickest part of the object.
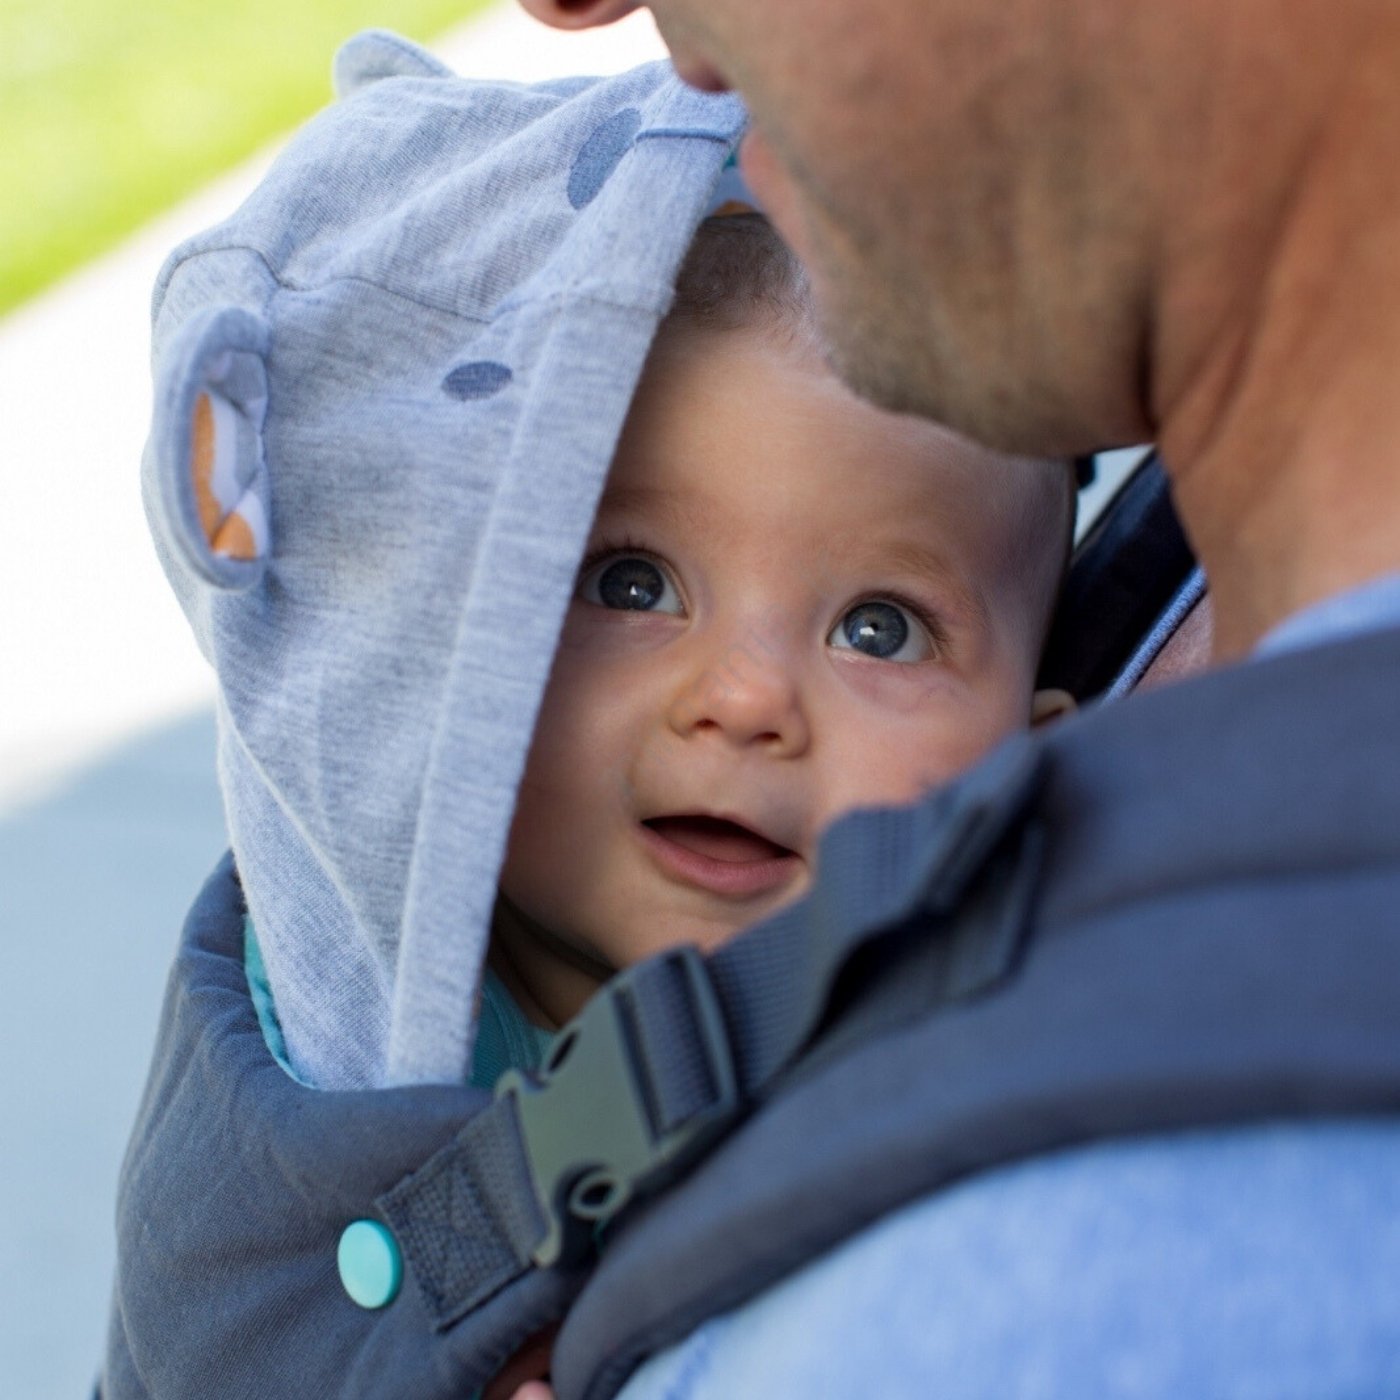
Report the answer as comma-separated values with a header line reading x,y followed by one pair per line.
x,y
1213,940
671,1052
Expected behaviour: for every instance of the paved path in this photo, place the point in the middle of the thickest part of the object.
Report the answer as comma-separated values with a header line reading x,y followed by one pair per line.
x,y
109,816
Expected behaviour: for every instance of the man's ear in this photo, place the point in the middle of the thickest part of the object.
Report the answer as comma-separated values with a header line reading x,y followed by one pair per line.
x,y
1048,705
579,14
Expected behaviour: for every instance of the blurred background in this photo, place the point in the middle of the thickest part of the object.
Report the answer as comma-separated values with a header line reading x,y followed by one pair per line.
x,y
122,130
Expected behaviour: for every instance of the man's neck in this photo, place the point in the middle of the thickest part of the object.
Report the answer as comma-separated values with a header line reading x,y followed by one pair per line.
x,y
1279,416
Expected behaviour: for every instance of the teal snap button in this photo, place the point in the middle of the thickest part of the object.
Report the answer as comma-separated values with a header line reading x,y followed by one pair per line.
x,y
371,1267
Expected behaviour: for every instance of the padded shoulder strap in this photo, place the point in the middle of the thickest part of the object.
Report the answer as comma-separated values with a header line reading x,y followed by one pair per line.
x,y
1213,942
670,1054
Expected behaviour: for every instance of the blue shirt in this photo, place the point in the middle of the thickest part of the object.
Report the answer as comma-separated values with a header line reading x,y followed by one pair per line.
x,y
1368,608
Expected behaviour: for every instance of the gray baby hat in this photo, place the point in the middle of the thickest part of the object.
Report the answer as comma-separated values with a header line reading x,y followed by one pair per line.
x,y
387,391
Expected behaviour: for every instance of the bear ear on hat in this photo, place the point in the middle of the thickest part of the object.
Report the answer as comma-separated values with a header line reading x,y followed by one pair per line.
x,y
378,53
207,450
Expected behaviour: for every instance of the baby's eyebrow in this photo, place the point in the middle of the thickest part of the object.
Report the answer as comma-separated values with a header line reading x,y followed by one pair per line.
x,y
911,557
653,502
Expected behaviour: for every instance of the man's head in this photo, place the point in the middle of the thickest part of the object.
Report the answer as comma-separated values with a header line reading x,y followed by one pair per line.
x,y
935,166
1061,224
1037,221
794,604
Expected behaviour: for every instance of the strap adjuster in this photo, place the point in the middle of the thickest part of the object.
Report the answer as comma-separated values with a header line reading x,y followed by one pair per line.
x,y
603,1122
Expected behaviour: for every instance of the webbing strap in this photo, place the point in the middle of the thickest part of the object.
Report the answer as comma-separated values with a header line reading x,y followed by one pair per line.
x,y
667,1055
462,1220
878,870
638,1082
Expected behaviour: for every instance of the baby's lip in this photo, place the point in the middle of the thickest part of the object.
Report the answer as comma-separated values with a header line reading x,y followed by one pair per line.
x,y
715,832
719,854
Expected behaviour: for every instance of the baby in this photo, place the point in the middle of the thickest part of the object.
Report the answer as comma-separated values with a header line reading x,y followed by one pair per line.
x,y
793,604
388,393
398,395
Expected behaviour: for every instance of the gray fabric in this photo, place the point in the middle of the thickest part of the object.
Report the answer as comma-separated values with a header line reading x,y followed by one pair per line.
x,y
879,868
234,1194
467,1219
669,1042
1214,942
420,337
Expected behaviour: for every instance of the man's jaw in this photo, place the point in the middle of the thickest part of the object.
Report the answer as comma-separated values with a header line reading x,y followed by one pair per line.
x,y
770,186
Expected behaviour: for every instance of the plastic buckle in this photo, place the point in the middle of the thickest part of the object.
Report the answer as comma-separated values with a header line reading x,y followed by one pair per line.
x,y
589,1119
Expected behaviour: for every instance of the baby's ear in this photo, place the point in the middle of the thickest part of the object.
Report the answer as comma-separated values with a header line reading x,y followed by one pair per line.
x,y
1050,705
211,480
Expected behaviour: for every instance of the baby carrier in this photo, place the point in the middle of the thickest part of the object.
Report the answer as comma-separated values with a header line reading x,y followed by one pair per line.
x,y
1129,924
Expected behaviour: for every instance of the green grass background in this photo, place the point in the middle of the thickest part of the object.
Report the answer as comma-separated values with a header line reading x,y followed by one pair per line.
x,y
111,110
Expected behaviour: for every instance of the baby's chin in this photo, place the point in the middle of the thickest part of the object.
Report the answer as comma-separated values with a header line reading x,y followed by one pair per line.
x,y
568,980
707,932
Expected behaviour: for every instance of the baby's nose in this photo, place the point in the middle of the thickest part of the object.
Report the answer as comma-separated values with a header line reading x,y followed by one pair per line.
x,y
747,692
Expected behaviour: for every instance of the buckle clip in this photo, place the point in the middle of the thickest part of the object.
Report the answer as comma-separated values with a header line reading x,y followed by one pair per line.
x,y
591,1121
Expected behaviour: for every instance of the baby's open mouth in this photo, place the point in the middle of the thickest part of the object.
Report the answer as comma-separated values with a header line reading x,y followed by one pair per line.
x,y
718,839
719,855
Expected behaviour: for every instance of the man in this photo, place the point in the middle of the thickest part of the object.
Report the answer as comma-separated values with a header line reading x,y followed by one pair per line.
x,y
1054,225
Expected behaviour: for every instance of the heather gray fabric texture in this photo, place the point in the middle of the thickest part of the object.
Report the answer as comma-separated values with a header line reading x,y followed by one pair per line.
x,y
403,365
226,1285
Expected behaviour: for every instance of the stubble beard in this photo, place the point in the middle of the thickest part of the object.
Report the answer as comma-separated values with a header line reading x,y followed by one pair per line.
x,y
886,348
897,353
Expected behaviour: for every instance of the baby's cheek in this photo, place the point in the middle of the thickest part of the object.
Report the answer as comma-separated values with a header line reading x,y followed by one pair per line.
x,y
902,760
952,754
884,692
574,702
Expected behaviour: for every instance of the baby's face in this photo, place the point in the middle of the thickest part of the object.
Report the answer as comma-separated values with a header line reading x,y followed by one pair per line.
x,y
794,604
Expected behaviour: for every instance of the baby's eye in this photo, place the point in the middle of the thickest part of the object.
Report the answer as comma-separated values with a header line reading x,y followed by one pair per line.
x,y
883,630
630,583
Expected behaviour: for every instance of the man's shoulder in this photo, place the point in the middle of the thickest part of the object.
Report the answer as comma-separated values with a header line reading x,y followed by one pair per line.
x,y
1259,696
1210,944
1129,1267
